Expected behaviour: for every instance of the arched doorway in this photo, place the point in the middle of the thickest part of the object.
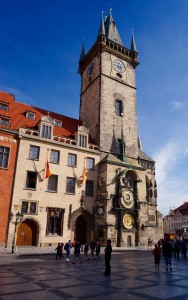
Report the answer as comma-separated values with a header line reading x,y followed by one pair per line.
x,y
80,230
129,241
27,234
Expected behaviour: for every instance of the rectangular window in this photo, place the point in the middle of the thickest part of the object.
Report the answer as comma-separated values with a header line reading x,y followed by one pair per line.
x,y
82,141
54,221
4,156
70,185
30,115
52,183
31,180
46,131
119,108
4,121
54,156
89,188
34,152
29,207
72,160
4,106
57,123
90,163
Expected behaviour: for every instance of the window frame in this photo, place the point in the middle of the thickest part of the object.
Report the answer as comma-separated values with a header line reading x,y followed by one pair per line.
x,y
29,203
27,179
4,105
57,123
82,140
119,107
53,184
70,190
4,154
30,113
54,224
6,119
90,192
58,156
73,155
38,152
46,131
88,163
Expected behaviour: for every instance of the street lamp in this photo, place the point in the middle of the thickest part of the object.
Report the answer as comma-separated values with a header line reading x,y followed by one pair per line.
x,y
19,217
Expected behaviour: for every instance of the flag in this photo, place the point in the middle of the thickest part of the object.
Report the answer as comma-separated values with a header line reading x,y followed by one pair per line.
x,y
48,174
84,176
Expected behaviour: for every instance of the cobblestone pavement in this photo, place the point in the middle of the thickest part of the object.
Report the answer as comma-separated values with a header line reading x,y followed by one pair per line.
x,y
133,277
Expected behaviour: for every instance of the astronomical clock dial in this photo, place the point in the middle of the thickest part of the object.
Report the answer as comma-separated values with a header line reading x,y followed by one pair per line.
x,y
119,65
128,221
127,199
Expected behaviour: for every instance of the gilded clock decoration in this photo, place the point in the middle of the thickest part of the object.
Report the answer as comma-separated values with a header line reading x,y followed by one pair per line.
x,y
128,221
127,199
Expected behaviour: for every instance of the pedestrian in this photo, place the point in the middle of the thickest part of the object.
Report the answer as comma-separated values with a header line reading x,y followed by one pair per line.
x,y
157,256
108,251
67,248
61,251
57,249
77,253
177,249
184,248
98,249
167,252
92,247
86,249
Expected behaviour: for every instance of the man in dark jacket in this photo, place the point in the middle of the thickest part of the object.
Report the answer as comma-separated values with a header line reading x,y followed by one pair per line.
x,y
108,251
167,252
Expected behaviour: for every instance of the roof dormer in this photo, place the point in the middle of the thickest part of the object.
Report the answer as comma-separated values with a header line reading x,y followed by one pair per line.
x,y
82,136
46,126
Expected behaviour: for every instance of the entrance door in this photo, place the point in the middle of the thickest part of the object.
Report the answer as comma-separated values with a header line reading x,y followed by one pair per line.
x,y
129,241
26,234
80,230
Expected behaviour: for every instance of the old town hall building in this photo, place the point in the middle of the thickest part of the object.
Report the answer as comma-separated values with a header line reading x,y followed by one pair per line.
x,y
85,179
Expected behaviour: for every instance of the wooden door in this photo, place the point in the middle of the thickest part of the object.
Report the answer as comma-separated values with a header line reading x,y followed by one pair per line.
x,y
26,234
80,232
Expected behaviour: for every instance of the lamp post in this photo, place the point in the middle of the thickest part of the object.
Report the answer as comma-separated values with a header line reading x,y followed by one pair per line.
x,y
19,217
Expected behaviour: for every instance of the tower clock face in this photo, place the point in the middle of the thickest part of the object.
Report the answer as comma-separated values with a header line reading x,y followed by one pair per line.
x,y
128,221
90,70
127,199
119,66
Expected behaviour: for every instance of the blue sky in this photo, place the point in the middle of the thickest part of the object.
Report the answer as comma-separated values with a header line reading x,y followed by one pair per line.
x,y
40,44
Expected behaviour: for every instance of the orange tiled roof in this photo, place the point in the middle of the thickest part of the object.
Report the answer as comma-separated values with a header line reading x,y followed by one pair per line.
x,y
182,208
17,114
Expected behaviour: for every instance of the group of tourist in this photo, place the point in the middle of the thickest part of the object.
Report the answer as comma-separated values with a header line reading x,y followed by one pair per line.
x,y
169,249
93,247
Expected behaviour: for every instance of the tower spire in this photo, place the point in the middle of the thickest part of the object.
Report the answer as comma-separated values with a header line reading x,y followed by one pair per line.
x,y
111,30
133,44
102,28
82,54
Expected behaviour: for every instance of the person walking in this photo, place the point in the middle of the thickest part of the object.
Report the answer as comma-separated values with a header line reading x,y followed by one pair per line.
x,y
67,248
98,249
77,253
58,251
92,247
108,251
86,249
167,252
61,251
157,256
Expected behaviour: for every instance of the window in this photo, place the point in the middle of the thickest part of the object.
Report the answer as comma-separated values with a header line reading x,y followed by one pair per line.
x,y
72,160
46,131
4,121
29,207
89,188
31,180
52,183
54,157
57,123
30,115
82,141
54,221
119,108
90,163
70,185
4,156
4,106
34,152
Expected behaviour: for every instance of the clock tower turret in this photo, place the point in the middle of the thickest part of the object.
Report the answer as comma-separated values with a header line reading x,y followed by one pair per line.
x,y
108,91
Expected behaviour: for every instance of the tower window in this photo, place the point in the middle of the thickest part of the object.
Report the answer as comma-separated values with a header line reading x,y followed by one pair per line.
x,y
119,108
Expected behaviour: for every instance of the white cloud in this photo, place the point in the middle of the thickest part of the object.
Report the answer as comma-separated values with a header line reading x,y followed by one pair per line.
x,y
177,104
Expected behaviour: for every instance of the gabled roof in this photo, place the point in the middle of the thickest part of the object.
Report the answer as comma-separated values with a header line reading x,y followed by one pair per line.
x,y
17,114
183,209
144,156
130,162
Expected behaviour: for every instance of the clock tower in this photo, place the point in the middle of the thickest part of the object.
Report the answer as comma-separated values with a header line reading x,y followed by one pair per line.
x,y
126,191
108,91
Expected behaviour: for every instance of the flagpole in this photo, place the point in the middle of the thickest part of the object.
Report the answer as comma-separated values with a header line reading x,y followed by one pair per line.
x,y
45,163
